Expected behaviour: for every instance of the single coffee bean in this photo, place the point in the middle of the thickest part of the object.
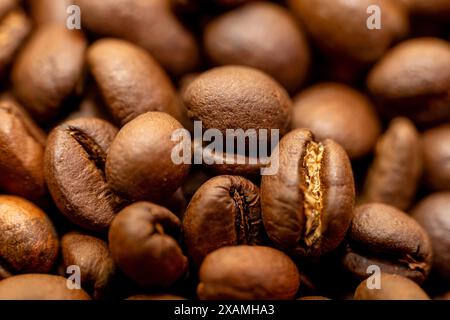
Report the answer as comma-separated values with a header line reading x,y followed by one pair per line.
x,y
142,240
248,273
413,80
150,24
14,28
39,287
307,206
224,211
343,29
140,86
93,258
394,175
436,153
340,113
238,97
22,145
253,35
392,287
48,70
75,172
28,241
433,214
45,12
139,164
155,297
384,236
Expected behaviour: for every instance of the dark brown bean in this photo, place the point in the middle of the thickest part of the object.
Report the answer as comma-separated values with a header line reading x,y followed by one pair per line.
x,y
335,111
28,241
413,80
93,258
139,164
130,80
341,29
253,35
75,172
44,12
433,214
150,24
142,243
48,70
224,211
394,175
384,236
307,205
248,273
22,145
392,287
14,28
436,153
39,287
237,97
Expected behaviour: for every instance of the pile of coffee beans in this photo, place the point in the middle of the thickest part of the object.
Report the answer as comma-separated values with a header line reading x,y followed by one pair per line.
x,y
224,149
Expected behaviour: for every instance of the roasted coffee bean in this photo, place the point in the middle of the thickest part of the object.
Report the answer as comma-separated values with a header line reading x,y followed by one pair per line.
x,y
139,164
48,70
238,97
307,205
14,28
142,240
150,24
22,145
384,236
341,28
28,241
436,153
394,175
392,287
139,87
93,258
224,211
413,80
248,273
46,12
433,214
75,172
335,111
155,297
253,35
39,287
